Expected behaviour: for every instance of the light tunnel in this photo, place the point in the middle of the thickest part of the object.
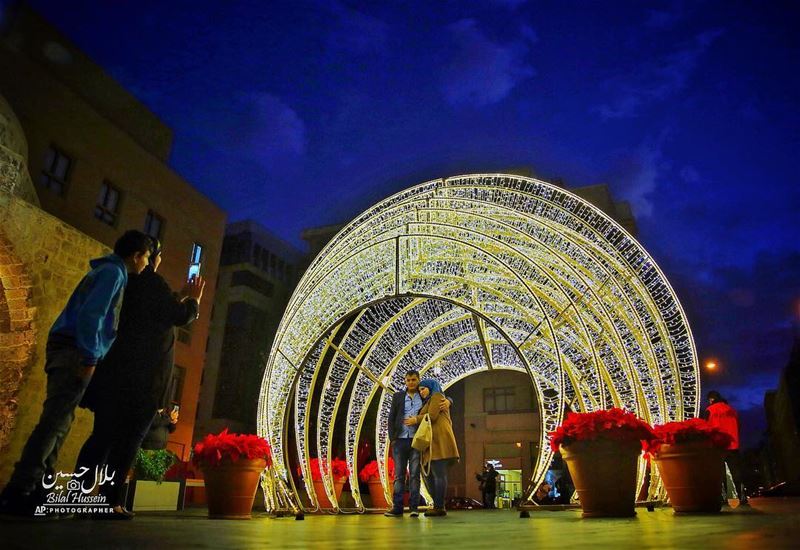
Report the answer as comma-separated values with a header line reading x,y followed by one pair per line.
x,y
462,275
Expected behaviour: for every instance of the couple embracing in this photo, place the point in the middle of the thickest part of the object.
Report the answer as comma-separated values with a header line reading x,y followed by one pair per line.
x,y
409,407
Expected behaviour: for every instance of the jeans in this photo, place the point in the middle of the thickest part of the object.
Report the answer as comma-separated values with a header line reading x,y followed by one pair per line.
x,y
733,460
488,498
65,388
437,481
405,455
120,424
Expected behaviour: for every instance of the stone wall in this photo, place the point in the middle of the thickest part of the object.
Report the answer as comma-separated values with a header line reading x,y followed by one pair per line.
x,y
42,259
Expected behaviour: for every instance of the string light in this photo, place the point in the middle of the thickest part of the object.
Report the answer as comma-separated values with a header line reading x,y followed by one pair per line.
x,y
457,276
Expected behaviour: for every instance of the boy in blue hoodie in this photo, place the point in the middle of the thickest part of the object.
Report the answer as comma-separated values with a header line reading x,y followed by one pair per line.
x,y
79,338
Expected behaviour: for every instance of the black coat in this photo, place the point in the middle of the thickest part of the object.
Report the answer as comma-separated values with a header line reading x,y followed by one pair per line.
x,y
160,429
139,363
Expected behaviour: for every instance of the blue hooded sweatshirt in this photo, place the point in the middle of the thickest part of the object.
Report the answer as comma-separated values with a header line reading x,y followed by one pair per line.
x,y
91,315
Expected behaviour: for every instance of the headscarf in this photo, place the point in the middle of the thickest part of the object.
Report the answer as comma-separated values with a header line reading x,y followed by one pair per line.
x,y
433,385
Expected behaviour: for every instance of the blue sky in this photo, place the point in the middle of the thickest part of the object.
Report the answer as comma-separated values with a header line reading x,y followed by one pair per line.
x,y
302,113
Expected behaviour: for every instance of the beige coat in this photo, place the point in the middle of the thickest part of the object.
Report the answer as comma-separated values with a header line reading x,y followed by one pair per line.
x,y
443,441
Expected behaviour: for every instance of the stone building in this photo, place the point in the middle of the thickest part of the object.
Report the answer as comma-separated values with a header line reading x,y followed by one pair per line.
x,y
95,165
42,259
257,274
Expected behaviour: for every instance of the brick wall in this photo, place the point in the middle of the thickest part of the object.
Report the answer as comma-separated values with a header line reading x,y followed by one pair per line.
x,y
42,259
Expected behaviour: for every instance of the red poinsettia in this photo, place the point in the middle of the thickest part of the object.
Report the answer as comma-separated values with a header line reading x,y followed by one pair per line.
x,y
213,449
338,469
692,430
614,424
371,470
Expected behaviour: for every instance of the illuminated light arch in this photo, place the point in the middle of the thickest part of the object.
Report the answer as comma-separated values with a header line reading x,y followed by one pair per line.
x,y
467,274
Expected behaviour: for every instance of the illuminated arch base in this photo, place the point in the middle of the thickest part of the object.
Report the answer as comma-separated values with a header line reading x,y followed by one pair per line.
x,y
463,275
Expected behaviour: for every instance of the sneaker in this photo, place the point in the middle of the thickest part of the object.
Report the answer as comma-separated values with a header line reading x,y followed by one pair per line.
x,y
435,512
393,513
414,514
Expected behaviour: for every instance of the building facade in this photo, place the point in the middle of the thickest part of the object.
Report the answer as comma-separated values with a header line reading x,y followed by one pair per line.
x,y
258,272
782,460
98,159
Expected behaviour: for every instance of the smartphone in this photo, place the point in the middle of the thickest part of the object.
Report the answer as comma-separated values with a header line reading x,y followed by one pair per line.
x,y
194,271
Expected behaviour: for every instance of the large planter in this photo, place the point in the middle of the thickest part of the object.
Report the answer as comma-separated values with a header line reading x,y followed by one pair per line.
x,y
322,496
604,474
154,496
376,493
692,475
231,487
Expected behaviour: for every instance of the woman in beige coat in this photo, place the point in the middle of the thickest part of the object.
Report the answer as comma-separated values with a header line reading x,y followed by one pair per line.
x,y
443,451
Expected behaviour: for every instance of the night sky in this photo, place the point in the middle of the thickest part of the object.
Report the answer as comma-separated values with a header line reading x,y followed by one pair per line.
x,y
303,113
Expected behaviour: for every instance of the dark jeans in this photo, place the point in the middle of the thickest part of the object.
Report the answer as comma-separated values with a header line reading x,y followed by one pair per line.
x,y
488,498
437,481
733,460
65,388
405,456
120,424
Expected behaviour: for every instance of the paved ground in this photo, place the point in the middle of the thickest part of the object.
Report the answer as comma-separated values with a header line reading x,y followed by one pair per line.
x,y
771,523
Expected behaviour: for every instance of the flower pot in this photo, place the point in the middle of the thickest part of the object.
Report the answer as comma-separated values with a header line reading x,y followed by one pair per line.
x,y
154,496
376,493
322,497
604,474
692,475
231,487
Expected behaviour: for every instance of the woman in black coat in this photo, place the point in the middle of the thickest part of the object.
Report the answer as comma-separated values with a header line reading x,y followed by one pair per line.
x,y
131,383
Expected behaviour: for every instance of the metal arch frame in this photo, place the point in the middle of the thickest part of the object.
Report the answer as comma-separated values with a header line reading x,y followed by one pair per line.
x,y
571,237
327,482
578,219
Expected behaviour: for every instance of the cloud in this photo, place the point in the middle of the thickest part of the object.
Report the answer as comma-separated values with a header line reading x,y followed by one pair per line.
x,y
256,126
656,80
482,71
742,317
634,175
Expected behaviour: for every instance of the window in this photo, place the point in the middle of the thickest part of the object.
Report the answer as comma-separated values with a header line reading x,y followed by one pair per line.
x,y
176,384
251,280
153,224
56,171
107,207
498,399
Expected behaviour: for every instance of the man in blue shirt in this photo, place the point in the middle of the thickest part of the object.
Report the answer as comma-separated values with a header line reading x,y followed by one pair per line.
x,y
405,404
79,338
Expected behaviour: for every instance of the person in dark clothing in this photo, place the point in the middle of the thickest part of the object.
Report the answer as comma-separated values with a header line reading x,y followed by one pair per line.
x,y
79,338
135,376
163,425
488,481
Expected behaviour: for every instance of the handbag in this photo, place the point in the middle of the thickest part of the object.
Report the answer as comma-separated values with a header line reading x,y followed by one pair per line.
x,y
422,439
